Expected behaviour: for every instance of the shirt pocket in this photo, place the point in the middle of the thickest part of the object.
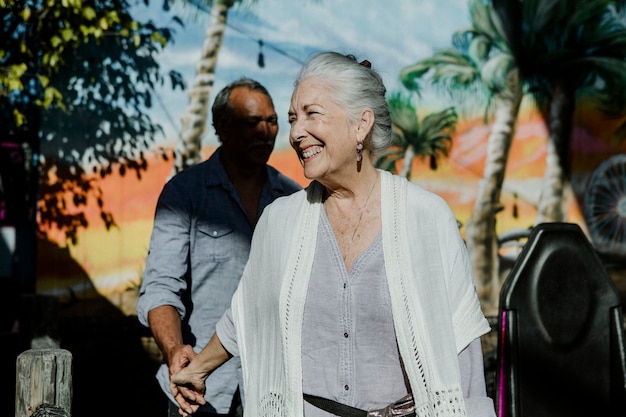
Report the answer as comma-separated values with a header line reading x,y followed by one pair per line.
x,y
215,241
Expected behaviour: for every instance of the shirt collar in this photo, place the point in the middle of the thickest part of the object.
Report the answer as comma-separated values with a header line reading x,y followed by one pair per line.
x,y
215,173
216,176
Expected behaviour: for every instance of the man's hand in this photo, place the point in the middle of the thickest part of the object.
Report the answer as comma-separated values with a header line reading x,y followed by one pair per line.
x,y
179,357
188,384
188,388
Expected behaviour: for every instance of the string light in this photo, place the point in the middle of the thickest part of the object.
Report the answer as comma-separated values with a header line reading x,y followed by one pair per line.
x,y
261,60
267,45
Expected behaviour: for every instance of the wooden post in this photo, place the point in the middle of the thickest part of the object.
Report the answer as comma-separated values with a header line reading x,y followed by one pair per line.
x,y
43,376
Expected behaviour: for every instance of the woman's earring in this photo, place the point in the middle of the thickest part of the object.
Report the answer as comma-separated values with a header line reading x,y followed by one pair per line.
x,y
359,152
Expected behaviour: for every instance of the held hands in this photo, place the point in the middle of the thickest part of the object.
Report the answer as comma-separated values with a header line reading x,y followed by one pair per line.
x,y
188,387
188,373
178,358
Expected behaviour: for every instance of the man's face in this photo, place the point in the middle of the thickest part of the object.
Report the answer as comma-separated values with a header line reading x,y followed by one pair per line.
x,y
251,132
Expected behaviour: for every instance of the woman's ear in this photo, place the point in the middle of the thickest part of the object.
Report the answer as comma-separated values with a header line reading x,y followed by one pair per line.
x,y
365,124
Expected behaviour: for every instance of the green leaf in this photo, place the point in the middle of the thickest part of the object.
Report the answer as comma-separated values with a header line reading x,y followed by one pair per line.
x,y
51,95
113,17
15,84
67,35
54,60
55,41
18,70
44,80
20,119
104,24
85,30
89,13
157,37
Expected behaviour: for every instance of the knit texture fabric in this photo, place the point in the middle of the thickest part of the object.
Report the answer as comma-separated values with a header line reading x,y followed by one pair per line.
x,y
436,311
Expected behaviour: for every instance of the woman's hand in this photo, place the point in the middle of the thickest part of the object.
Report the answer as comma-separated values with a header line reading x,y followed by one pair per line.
x,y
188,384
188,388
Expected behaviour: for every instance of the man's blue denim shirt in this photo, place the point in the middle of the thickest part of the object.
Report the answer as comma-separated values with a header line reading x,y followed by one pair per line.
x,y
198,249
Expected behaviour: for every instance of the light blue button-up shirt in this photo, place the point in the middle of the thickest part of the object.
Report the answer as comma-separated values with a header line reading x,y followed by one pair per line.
x,y
198,249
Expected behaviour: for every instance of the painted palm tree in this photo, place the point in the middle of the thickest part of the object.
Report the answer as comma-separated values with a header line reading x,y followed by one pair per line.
x,y
482,65
429,137
194,120
564,49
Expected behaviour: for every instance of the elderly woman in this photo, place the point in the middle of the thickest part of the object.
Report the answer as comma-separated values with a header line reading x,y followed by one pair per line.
x,y
358,294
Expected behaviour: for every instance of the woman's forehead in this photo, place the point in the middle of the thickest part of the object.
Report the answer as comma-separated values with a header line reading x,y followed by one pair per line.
x,y
311,91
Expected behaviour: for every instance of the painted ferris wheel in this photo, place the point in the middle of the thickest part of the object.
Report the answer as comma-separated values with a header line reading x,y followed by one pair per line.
x,y
605,206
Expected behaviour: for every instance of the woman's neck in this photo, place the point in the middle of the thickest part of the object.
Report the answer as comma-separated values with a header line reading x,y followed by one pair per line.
x,y
350,189
354,215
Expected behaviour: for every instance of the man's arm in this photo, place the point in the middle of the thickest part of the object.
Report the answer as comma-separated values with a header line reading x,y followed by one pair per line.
x,y
188,385
166,329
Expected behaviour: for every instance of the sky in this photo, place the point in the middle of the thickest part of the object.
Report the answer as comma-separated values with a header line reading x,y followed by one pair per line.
x,y
390,34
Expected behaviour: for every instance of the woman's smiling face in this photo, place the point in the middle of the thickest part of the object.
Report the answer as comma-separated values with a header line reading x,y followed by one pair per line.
x,y
321,134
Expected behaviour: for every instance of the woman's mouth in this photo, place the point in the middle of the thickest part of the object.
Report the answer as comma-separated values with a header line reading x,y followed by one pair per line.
x,y
311,151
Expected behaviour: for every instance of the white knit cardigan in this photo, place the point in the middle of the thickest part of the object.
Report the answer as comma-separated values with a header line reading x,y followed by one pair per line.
x,y
436,312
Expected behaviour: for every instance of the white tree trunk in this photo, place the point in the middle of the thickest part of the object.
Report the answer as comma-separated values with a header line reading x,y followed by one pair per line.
x,y
551,205
194,120
481,235
549,208
409,154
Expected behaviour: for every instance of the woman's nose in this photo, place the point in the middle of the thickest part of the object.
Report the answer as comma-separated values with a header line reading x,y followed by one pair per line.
x,y
296,133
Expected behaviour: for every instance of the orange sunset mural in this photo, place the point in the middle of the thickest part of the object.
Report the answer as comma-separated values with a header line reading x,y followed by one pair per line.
x,y
514,112
429,50
112,260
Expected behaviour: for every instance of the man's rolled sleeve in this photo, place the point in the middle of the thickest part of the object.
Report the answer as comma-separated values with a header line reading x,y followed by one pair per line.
x,y
164,279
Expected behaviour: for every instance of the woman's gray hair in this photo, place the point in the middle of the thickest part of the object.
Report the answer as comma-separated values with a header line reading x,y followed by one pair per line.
x,y
354,87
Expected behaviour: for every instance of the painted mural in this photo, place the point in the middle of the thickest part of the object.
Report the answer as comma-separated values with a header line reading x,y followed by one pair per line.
x,y
268,41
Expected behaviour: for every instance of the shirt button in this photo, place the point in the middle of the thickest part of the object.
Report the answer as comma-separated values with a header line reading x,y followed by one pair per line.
x,y
214,232
345,285
346,387
345,335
